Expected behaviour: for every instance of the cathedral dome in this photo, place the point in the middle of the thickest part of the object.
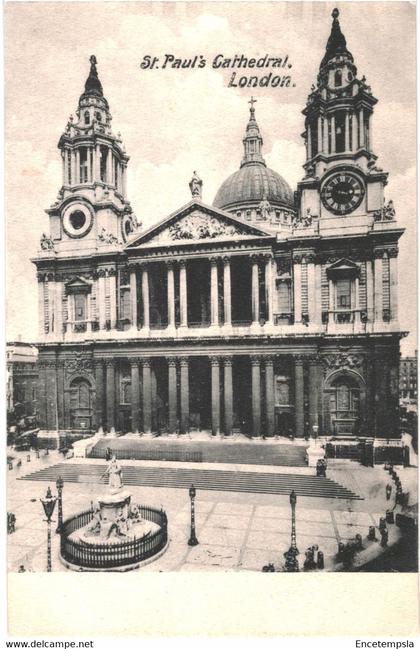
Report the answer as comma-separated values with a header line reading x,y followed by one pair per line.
x,y
252,183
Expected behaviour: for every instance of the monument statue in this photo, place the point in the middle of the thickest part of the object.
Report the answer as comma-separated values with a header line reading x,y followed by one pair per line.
x,y
196,186
114,472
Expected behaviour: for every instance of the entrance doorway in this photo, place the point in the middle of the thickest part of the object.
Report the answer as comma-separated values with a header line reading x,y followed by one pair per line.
x,y
80,404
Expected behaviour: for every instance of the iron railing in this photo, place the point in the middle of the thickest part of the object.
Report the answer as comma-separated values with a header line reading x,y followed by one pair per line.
x,y
105,556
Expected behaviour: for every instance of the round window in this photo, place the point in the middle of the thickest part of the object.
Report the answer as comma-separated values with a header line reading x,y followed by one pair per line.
x,y
77,220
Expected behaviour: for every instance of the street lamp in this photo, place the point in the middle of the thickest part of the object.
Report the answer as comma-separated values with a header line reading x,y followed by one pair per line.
x,y
193,539
48,504
60,484
292,564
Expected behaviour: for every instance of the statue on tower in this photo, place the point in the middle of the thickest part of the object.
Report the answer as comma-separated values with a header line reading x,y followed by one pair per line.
x,y
196,186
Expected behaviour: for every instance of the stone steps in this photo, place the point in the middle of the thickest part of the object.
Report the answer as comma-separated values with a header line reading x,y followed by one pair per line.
x,y
206,479
217,451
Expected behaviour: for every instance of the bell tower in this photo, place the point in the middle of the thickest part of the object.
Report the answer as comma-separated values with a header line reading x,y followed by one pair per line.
x,y
341,177
92,209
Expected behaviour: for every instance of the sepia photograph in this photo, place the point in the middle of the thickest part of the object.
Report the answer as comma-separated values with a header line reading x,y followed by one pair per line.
x,y
211,285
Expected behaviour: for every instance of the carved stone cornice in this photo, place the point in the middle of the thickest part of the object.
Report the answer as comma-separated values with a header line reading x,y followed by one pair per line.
x,y
342,360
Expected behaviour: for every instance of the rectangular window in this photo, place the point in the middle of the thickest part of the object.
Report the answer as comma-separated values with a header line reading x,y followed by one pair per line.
x,y
125,303
340,125
83,165
79,306
343,289
103,161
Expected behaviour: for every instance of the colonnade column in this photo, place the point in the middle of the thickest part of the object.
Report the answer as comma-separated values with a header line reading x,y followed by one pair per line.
x,y
97,174
183,292
227,296
325,134
309,143
58,308
347,131
100,397
255,292
377,270
256,396
269,289
314,388
333,146
228,394
172,395
215,395
393,282
147,396
185,395
356,299
171,293
41,328
361,129
145,296
77,167
319,134
110,394
214,293
135,395
133,297
370,307
354,128
101,299
299,414
109,167
269,394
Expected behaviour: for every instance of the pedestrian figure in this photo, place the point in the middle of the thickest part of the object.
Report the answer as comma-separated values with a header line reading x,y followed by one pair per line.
x,y
389,516
10,466
388,490
19,464
309,563
384,538
22,568
320,560
28,458
372,533
382,524
37,453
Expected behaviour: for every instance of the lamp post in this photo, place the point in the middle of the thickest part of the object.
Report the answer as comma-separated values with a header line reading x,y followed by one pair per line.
x,y
292,564
193,539
60,484
48,504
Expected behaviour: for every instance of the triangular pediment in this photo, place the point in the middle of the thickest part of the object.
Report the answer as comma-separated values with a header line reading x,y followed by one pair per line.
x,y
77,284
343,267
195,223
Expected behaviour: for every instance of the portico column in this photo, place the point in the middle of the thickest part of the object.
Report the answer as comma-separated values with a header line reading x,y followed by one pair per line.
x,y
311,287
297,289
214,293
145,296
135,395
227,292
255,292
171,293
185,395
269,395
113,297
299,414
100,397
269,289
183,292
172,395
110,394
313,393
378,282
133,297
101,299
147,396
215,395
256,396
393,282
228,394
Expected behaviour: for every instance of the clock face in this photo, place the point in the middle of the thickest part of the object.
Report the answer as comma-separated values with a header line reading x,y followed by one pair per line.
x,y
342,193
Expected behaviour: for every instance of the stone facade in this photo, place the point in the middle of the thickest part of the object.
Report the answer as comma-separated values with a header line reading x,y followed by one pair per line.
x,y
258,315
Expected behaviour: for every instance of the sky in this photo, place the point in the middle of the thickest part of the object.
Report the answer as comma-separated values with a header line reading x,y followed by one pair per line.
x,y
174,121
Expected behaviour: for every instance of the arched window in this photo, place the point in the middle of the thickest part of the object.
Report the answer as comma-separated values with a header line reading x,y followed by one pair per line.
x,y
80,393
338,77
87,117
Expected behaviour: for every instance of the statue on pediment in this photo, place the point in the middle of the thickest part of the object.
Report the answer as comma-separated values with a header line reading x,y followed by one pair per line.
x,y
196,186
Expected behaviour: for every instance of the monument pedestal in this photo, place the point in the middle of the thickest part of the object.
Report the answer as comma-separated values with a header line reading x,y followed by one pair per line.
x,y
314,453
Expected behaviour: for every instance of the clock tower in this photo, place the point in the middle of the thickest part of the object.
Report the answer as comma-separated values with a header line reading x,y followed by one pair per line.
x,y
342,180
91,213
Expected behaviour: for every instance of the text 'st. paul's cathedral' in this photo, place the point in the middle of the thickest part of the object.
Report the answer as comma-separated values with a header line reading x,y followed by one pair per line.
x,y
271,312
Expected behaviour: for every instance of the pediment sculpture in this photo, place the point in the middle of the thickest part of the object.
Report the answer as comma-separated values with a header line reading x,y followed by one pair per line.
x,y
200,226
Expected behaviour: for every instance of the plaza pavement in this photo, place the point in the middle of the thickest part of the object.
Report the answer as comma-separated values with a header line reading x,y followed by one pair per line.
x,y
236,531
